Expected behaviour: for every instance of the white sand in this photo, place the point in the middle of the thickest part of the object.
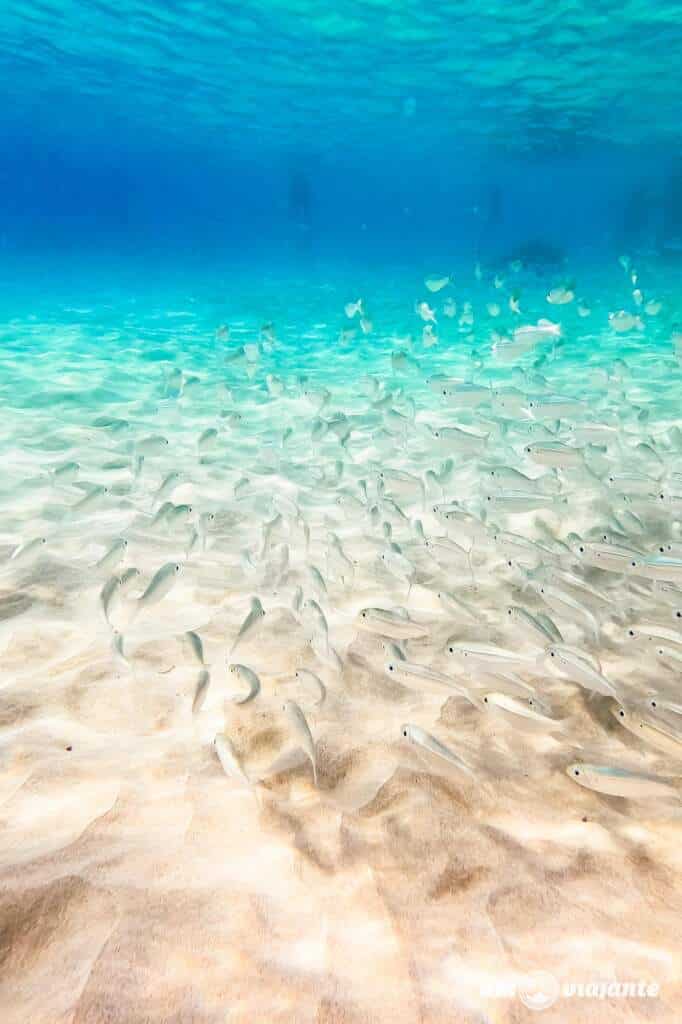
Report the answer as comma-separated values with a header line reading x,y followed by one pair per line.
x,y
140,883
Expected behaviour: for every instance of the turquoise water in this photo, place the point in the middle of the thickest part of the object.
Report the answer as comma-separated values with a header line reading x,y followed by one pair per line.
x,y
449,126
341,543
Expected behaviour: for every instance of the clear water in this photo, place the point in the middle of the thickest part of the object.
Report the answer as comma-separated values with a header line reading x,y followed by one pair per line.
x,y
144,126
192,193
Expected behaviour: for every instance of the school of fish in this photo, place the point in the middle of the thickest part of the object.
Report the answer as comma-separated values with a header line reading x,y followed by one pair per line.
x,y
466,518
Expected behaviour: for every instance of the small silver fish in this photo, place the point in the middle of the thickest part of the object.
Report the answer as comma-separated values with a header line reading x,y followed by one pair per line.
x,y
65,473
195,645
387,623
424,742
305,675
153,445
301,731
522,501
248,676
620,781
253,619
649,730
201,690
539,627
316,618
208,439
108,595
422,678
580,669
160,584
489,657
229,760
28,550
120,659
89,500
167,486
114,555
521,712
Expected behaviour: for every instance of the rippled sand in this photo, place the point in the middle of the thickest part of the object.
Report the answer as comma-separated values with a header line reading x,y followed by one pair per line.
x,y
138,881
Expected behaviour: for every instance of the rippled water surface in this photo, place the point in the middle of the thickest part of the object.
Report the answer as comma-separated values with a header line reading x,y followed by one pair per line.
x,y
520,75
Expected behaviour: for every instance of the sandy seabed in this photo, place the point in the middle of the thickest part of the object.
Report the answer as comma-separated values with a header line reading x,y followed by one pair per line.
x,y
140,883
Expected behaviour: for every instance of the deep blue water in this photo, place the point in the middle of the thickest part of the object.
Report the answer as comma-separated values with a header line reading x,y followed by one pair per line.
x,y
215,133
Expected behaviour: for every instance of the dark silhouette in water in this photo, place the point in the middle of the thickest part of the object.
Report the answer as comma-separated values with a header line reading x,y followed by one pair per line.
x,y
636,229
537,254
671,220
495,213
489,214
300,203
300,208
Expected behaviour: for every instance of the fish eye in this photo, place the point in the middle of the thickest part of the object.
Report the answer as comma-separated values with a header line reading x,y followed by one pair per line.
x,y
621,713
576,772
662,496
633,564
177,567
509,563
552,654
509,611
678,615
581,549
485,700
653,703
364,615
405,733
452,650
390,668
631,632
